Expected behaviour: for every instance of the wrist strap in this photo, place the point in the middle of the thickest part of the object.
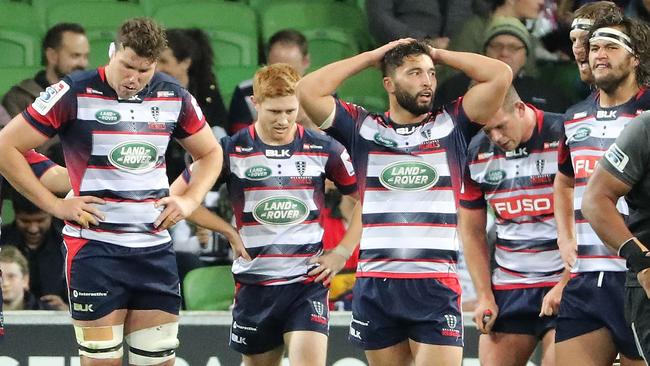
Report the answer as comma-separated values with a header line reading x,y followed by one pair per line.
x,y
342,251
630,249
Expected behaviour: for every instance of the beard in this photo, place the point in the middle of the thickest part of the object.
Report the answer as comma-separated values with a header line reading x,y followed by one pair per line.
x,y
610,82
61,74
410,102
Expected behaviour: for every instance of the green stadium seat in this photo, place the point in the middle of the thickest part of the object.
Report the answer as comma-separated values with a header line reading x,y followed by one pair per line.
x,y
230,76
304,15
328,45
365,89
101,20
21,17
7,212
18,49
209,288
232,28
10,76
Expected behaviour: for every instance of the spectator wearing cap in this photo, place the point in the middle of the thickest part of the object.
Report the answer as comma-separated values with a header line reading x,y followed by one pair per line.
x,y
508,40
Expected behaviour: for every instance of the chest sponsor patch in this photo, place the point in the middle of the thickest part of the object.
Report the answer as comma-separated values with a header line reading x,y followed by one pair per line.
x,y
108,117
134,156
258,172
280,210
408,176
48,98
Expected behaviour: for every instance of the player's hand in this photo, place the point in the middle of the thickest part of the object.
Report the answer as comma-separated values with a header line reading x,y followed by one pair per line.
x,y
644,280
237,245
177,208
440,43
485,315
551,301
378,53
568,252
329,264
54,302
81,210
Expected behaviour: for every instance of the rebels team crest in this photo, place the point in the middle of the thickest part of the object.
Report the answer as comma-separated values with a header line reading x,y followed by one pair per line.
x,y
540,166
301,166
155,113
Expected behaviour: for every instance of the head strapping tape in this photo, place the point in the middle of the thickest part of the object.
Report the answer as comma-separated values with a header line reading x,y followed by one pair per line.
x,y
582,24
614,36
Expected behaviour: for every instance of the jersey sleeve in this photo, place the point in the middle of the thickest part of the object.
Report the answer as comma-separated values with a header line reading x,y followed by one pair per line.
x,y
468,128
339,169
628,157
56,106
347,122
38,162
471,195
191,119
564,164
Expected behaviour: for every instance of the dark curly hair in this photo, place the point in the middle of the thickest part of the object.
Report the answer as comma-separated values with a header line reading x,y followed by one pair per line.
x,y
194,43
394,58
144,36
639,33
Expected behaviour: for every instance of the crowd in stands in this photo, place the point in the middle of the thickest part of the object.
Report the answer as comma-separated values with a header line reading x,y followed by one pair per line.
x,y
522,33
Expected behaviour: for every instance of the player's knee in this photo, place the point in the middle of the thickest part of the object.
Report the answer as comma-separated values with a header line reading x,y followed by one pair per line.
x,y
100,342
152,346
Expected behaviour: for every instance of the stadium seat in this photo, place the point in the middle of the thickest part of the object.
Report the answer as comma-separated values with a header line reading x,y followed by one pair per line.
x,y
101,20
365,89
209,288
232,28
18,49
21,17
10,76
230,76
327,45
304,15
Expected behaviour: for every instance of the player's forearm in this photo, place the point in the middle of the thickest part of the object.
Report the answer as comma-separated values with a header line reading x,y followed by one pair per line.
x,y
324,81
475,250
479,68
600,210
205,171
563,188
352,235
14,167
209,220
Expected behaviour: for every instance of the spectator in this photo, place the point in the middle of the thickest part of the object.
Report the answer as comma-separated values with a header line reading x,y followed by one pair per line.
x,y
36,235
286,46
15,282
507,39
639,9
64,49
189,58
471,36
389,20
4,116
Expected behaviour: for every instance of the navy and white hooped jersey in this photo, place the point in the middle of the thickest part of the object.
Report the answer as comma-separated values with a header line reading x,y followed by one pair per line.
x,y
114,149
518,186
277,193
589,131
409,177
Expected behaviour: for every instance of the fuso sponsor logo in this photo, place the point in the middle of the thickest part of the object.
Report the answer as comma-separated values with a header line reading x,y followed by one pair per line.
x,y
514,207
108,117
258,172
584,166
408,176
283,210
134,156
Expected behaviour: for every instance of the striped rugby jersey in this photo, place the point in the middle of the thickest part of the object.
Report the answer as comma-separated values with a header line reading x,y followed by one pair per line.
x,y
39,164
518,186
277,193
589,131
409,177
114,149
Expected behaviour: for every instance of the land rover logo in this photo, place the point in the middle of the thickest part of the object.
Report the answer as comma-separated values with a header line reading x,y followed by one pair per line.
x,y
134,156
495,176
581,134
384,141
408,176
258,172
282,210
108,117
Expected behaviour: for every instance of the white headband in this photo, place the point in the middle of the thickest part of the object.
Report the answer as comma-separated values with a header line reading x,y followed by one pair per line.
x,y
111,49
582,24
614,36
